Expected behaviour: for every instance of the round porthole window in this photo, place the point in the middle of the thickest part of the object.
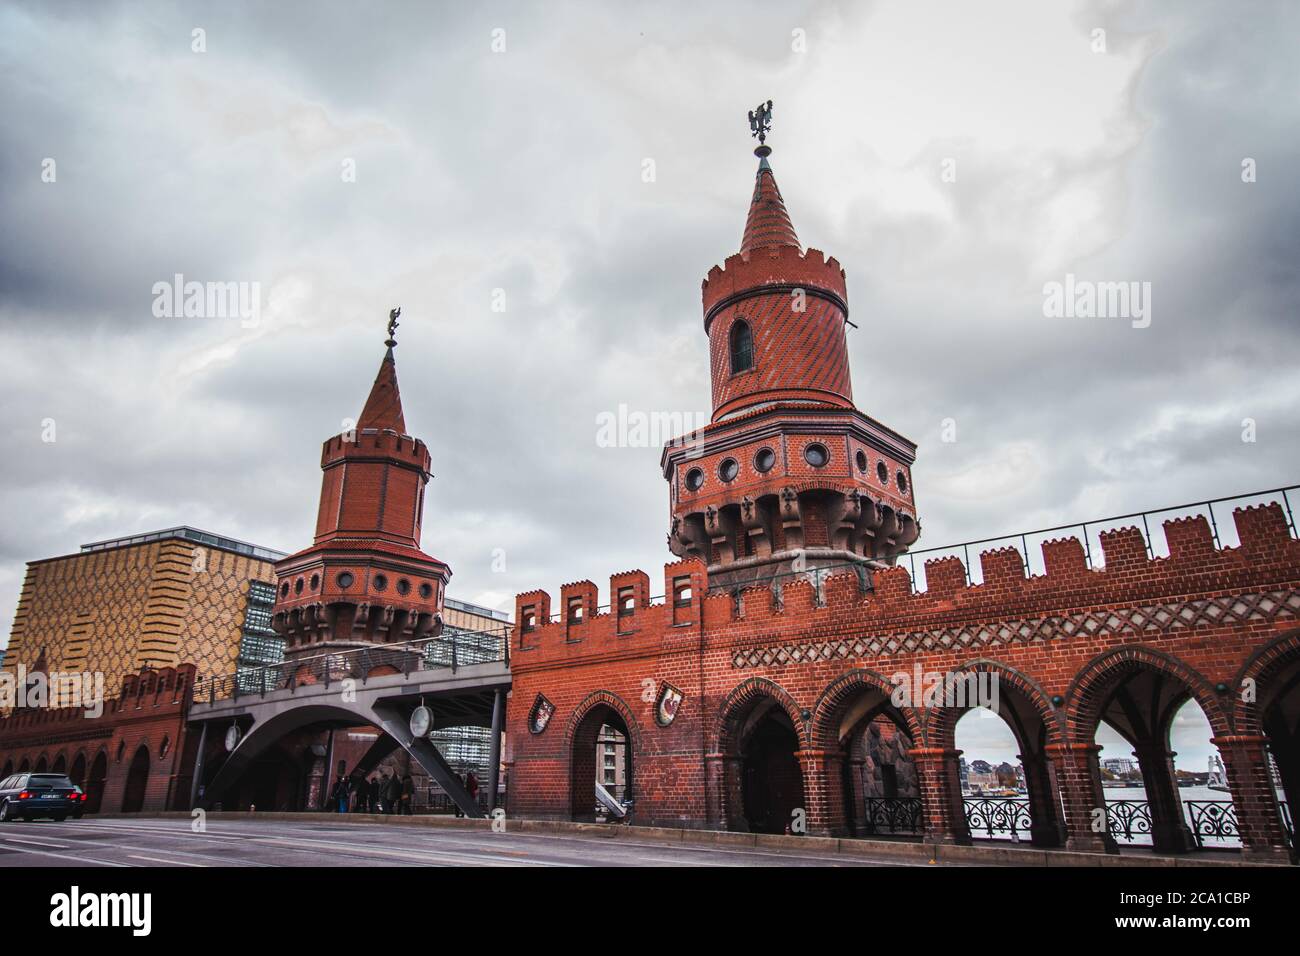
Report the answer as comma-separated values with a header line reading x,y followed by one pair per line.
x,y
728,470
861,459
345,579
816,455
694,479
315,582
882,472
403,586
901,478
297,586
284,589
764,461
426,591
380,582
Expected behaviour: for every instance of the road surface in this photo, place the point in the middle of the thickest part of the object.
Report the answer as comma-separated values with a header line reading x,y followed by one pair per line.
x,y
144,841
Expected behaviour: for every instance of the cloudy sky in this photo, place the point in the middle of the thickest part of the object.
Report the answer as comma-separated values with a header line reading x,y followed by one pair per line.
x,y
449,158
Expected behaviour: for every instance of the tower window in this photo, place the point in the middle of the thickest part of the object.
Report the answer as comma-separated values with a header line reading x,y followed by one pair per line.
x,y
694,479
882,472
816,455
862,461
901,479
742,347
764,460
728,470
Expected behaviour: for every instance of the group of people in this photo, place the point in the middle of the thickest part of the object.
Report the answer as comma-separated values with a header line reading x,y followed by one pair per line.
x,y
383,794
386,794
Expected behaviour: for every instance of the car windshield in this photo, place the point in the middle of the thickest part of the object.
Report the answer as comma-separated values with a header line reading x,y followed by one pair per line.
x,y
48,781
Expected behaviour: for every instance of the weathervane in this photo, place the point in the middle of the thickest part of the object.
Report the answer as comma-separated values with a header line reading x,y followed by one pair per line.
x,y
760,124
392,326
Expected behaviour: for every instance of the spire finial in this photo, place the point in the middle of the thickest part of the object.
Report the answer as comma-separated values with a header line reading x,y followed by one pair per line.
x,y
760,124
392,327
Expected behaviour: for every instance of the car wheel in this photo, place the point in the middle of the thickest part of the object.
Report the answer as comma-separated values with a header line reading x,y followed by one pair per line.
x,y
4,812
60,817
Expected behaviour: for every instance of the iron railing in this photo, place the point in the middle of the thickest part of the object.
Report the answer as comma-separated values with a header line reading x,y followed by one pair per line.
x,y
453,648
995,816
1091,530
1213,822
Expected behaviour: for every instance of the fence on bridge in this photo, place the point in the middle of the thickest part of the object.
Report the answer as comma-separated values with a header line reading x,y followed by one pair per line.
x,y
452,649
1213,822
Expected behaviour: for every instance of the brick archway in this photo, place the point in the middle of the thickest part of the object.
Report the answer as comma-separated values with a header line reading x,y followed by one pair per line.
x,y
741,700
834,701
1038,729
580,737
756,779
1138,691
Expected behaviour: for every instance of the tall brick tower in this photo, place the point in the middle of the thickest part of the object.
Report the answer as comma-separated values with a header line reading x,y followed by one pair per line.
x,y
789,475
365,579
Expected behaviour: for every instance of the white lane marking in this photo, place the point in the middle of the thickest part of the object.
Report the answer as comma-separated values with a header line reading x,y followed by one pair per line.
x,y
157,859
65,857
429,856
57,846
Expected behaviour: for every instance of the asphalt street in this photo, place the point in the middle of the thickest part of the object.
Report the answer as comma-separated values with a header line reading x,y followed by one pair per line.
x,y
155,842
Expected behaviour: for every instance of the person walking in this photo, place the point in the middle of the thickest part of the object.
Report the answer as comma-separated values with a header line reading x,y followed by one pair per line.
x,y
471,784
392,791
340,794
408,795
372,794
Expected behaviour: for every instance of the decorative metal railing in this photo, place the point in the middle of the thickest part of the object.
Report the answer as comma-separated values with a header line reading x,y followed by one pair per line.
x,y
1213,822
995,816
1129,821
452,649
892,815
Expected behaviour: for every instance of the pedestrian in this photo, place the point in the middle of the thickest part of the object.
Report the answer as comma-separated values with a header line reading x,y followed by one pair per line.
x,y
383,792
408,795
471,784
340,794
358,782
390,790
372,794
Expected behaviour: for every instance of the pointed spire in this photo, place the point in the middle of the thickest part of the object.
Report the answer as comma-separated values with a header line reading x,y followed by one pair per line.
x,y
384,406
768,223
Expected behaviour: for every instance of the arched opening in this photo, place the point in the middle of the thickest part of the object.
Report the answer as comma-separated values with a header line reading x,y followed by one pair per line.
x,y
601,766
1279,709
742,346
60,764
8,769
1137,700
763,783
94,785
272,781
872,785
137,781
772,780
999,723
78,772
41,765
25,765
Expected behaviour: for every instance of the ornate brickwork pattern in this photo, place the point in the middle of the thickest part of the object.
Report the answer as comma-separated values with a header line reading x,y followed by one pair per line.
x,y
1144,619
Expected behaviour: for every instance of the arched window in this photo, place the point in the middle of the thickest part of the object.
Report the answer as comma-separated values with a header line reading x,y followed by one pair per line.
x,y
742,347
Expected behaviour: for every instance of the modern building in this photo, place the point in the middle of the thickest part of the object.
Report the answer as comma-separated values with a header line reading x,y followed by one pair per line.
x,y
145,601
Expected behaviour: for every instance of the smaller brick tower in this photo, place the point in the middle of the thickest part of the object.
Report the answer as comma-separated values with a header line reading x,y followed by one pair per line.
x,y
365,579
788,476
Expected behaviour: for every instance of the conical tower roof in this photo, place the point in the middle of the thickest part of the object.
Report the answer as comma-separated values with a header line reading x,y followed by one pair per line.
x,y
768,223
384,406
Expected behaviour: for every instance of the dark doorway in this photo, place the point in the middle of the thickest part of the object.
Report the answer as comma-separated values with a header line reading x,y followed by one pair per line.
x,y
772,777
94,785
137,780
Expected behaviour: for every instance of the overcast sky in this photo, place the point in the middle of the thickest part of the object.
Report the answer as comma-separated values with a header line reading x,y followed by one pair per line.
x,y
523,170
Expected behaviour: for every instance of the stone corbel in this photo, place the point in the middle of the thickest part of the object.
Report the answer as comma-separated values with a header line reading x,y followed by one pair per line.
x,y
754,521
791,519
845,513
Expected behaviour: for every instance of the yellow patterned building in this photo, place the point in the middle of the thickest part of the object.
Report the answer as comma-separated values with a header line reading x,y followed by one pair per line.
x,y
151,600
158,600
